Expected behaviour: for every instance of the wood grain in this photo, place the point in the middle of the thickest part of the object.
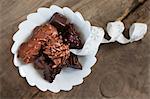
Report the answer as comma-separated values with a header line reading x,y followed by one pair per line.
x,y
131,61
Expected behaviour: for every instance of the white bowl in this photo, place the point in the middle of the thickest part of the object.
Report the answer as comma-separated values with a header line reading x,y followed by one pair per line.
x,y
68,77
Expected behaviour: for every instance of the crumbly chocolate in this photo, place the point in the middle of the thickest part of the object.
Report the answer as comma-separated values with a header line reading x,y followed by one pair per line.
x,y
57,51
45,33
29,50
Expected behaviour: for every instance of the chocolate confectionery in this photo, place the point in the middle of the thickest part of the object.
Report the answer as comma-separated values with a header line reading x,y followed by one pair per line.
x,y
49,47
59,21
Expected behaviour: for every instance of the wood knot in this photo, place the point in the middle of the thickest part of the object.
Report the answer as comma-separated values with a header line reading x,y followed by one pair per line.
x,y
111,85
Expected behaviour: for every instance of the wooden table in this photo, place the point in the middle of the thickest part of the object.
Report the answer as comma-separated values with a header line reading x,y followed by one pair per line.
x,y
125,67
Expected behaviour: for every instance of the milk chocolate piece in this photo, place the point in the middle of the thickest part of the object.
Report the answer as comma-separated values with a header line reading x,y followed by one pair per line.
x,y
44,33
29,50
59,21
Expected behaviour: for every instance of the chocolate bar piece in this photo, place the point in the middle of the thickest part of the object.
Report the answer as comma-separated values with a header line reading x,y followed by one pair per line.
x,y
59,21
73,62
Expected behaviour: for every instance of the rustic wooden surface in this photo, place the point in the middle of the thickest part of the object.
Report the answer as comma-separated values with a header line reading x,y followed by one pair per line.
x,y
122,71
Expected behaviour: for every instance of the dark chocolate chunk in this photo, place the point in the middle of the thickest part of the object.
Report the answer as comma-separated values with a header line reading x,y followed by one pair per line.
x,y
73,62
42,61
72,37
71,29
50,73
59,21
39,62
47,73
45,63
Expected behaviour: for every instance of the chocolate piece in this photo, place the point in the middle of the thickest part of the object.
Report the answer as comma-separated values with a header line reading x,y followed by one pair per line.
x,y
72,37
57,51
59,21
50,73
73,62
39,62
74,42
29,50
42,61
47,73
71,29
45,33
45,63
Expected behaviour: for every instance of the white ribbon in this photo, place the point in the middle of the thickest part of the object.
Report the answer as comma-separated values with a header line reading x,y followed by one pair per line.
x,y
114,30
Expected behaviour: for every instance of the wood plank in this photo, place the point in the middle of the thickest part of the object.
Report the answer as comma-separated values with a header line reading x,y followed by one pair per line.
x,y
139,84
130,61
